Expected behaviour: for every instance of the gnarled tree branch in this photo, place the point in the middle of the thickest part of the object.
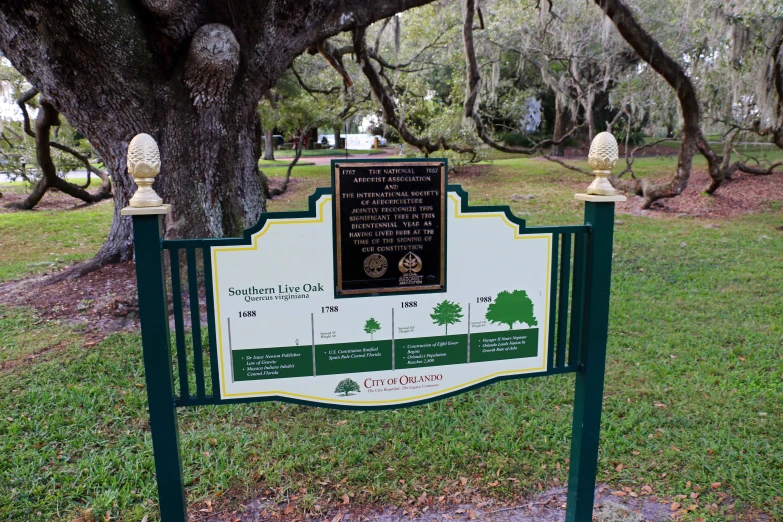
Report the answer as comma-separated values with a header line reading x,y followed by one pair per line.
x,y
474,86
390,107
47,118
692,138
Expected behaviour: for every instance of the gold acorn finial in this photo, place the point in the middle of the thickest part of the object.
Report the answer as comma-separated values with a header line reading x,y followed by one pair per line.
x,y
602,158
143,166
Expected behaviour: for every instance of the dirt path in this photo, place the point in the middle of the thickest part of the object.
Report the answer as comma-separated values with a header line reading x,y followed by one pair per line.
x,y
327,160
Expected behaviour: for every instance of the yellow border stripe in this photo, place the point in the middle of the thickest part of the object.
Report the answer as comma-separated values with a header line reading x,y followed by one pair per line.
x,y
400,401
500,214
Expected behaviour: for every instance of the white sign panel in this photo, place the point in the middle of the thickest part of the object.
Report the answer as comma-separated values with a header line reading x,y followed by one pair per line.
x,y
282,330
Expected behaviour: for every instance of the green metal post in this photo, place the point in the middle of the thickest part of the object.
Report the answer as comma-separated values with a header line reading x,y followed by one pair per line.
x,y
156,344
588,397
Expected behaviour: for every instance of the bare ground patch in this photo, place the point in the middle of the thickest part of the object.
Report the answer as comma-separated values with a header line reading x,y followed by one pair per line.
x,y
548,506
294,184
469,171
744,194
103,301
53,200
611,505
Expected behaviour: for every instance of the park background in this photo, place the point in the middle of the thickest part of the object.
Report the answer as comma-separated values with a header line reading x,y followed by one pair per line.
x,y
693,406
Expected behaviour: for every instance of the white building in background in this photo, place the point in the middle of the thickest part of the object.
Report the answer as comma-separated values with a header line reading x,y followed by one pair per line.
x,y
359,141
352,141
532,118
8,108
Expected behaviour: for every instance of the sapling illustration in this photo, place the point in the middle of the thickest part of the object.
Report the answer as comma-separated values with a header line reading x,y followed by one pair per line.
x,y
371,326
446,312
512,307
346,386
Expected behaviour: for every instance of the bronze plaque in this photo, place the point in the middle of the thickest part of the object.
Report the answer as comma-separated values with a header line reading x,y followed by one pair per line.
x,y
390,226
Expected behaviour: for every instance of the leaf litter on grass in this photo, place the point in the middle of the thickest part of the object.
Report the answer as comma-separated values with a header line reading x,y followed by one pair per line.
x,y
548,506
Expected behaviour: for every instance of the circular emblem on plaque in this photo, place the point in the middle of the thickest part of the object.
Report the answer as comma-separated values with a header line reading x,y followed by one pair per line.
x,y
375,265
410,262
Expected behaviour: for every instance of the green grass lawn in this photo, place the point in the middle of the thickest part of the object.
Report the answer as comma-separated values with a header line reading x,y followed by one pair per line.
x,y
37,241
694,390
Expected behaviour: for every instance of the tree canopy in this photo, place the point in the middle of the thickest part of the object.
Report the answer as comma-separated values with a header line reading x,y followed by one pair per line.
x,y
512,307
445,313
371,326
347,387
209,79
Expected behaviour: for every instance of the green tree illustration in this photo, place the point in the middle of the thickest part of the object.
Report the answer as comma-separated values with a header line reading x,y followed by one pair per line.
x,y
512,307
346,386
446,313
371,326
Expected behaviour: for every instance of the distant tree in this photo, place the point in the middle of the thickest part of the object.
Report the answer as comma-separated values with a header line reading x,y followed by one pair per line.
x,y
512,307
371,326
346,386
290,110
446,313
47,174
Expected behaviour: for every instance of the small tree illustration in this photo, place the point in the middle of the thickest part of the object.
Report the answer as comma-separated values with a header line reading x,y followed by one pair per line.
x,y
346,386
512,307
371,326
446,313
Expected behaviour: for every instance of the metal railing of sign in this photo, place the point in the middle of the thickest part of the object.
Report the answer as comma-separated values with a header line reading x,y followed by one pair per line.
x,y
192,306
189,277
180,272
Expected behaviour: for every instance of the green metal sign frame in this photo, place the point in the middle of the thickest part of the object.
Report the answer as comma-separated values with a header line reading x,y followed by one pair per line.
x,y
578,328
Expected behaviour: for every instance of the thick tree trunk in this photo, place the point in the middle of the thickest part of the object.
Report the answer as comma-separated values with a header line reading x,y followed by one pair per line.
x,y
210,157
118,246
215,184
269,145
187,72
562,118
587,105
337,137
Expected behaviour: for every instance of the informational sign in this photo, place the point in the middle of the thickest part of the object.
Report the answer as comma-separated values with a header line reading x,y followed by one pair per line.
x,y
390,226
305,312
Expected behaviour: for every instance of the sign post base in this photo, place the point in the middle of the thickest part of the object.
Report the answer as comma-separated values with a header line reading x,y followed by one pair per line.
x,y
588,396
156,345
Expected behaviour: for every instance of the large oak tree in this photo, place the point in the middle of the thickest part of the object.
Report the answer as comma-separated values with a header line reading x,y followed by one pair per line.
x,y
188,72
